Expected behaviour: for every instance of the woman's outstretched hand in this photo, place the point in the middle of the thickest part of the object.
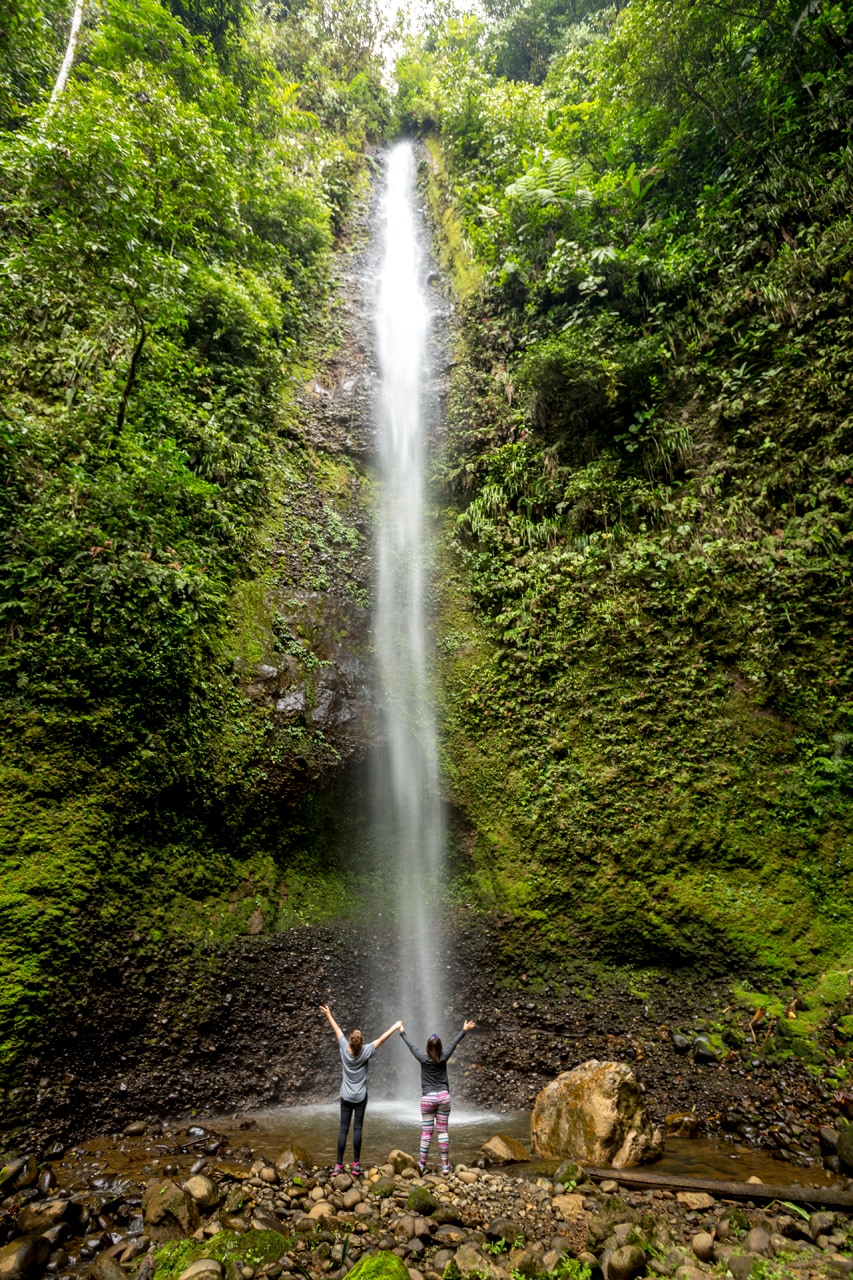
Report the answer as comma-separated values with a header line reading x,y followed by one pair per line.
x,y
400,1026
468,1025
324,1008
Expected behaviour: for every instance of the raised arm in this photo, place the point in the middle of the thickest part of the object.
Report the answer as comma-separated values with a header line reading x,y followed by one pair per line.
x,y
324,1008
413,1048
467,1025
398,1026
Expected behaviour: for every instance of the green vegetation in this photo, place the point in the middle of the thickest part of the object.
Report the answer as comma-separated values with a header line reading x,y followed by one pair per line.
x,y
646,485
167,232
252,1248
644,622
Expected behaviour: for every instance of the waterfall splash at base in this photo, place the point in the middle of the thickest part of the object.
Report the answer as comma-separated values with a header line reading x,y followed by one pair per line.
x,y
408,812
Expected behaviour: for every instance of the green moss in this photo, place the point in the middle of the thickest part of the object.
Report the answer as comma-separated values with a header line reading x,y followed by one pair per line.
x,y
381,1265
454,248
252,1248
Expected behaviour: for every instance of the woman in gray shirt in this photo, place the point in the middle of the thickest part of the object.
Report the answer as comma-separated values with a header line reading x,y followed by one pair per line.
x,y
355,1055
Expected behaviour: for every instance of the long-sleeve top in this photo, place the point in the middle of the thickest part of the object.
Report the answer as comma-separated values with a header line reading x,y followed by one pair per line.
x,y
433,1074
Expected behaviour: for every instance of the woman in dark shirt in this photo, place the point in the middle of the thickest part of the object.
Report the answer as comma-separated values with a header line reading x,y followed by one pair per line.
x,y
435,1094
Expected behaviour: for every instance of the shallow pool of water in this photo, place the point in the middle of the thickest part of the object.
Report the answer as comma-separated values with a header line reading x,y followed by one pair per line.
x,y
392,1124
388,1125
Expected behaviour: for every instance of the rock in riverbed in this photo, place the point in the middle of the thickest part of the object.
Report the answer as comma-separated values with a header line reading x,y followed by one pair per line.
x,y
596,1114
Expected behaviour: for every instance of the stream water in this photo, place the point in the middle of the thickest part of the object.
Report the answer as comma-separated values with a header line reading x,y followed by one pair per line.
x,y
407,805
389,1125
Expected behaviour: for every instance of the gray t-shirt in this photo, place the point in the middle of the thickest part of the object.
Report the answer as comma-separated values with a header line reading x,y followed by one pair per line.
x,y
354,1078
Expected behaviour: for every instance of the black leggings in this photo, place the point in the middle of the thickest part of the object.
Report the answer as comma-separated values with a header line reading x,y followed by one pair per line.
x,y
348,1111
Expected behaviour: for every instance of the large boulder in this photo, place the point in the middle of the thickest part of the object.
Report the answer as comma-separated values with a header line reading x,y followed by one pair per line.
x,y
595,1114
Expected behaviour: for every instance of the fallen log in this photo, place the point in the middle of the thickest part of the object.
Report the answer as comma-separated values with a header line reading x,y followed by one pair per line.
x,y
759,1192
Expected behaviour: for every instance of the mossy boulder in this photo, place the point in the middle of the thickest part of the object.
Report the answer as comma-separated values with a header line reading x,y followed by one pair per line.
x,y
568,1172
250,1248
382,1188
382,1265
422,1201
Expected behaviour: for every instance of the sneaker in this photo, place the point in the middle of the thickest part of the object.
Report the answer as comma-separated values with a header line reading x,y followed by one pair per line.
x,y
446,1169
339,1168
422,1169
355,1169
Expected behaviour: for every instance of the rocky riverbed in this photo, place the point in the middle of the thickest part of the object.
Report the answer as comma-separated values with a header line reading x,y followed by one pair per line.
x,y
235,1216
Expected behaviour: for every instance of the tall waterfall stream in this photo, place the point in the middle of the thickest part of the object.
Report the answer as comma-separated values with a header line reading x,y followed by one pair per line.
x,y
406,784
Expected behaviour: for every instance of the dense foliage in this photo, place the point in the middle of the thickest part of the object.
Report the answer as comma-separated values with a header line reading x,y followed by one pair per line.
x,y
646,615
166,230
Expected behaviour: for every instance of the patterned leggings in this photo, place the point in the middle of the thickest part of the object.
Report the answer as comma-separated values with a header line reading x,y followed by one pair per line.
x,y
435,1113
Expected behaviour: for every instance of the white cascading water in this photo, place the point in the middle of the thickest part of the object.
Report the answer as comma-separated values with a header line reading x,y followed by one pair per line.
x,y
408,804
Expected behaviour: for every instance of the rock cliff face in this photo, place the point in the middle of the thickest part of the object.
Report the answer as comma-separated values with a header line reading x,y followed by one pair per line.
x,y
302,631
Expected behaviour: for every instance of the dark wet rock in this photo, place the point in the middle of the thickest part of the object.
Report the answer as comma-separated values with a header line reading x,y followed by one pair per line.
x,y
39,1216
844,1149
23,1256
680,1043
828,1138
168,1212
18,1173
704,1051
107,1268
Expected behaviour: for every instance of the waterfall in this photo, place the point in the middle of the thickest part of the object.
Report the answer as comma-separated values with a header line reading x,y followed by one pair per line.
x,y
408,806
